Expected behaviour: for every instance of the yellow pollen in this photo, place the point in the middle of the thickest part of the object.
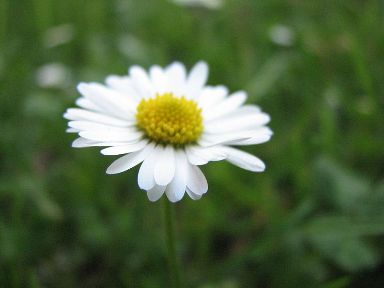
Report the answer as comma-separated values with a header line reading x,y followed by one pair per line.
x,y
168,119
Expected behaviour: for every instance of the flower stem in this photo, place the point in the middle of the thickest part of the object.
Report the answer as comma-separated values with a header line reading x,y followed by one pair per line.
x,y
171,246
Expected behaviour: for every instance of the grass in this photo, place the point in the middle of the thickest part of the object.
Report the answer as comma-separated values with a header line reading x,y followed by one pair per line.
x,y
313,219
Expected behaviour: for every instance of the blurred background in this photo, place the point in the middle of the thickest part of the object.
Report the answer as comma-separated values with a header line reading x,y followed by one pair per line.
x,y
315,218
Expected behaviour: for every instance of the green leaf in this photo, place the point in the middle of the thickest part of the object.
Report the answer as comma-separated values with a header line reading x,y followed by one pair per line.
x,y
339,187
338,283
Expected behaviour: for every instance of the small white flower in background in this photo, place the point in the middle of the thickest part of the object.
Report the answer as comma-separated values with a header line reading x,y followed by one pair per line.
x,y
282,35
58,35
132,47
53,75
210,4
171,122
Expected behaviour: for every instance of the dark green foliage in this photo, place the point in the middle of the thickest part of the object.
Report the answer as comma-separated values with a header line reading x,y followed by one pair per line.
x,y
315,218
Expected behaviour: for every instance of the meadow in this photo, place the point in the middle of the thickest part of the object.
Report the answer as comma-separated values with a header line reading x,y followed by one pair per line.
x,y
314,218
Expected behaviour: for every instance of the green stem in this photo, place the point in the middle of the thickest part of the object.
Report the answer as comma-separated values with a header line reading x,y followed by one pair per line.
x,y
171,246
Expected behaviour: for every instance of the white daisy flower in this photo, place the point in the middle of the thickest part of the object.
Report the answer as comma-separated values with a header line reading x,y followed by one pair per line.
x,y
171,122
282,35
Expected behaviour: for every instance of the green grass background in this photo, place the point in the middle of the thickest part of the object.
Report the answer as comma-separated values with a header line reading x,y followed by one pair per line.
x,y
315,218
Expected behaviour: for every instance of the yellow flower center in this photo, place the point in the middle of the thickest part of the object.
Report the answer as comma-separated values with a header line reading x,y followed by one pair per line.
x,y
168,119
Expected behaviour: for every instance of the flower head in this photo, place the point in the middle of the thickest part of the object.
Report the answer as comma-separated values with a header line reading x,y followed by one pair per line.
x,y
171,122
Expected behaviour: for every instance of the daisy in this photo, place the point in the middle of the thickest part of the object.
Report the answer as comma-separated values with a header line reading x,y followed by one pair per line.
x,y
171,122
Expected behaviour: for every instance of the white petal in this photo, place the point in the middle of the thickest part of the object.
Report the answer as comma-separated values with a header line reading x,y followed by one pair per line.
x,y
244,110
145,177
194,158
196,181
262,135
211,96
94,126
165,166
72,130
111,101
216,139
196,80
176,189
211,153
86,104
202,155
193,196
244,160
141,81
176,75
239,122
159,79
228,105
251,141
124,85
155,193
124,149
82,142
81,114
111,136
128,161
